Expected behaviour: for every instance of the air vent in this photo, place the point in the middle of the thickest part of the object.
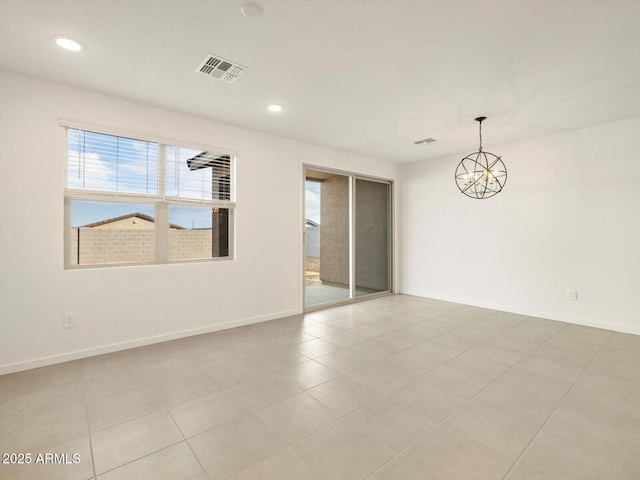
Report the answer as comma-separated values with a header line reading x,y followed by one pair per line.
x,y
221,69
425,141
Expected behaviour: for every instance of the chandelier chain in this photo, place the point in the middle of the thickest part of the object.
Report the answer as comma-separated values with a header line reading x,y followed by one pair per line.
x,y
480,130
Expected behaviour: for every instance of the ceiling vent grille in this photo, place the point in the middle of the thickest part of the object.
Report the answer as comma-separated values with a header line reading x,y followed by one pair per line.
x,y
221,69
425,141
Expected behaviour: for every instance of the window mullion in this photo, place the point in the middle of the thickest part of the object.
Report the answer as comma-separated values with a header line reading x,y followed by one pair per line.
x,y
162,210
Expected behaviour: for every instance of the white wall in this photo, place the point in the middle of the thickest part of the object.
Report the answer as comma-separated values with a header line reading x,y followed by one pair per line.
x,y
127,306
567,218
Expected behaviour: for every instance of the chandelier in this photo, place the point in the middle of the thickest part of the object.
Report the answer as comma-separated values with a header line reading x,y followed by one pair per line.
x,y
481,174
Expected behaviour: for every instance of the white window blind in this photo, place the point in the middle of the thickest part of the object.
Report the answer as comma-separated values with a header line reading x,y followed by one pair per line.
x,y
196,174
97,161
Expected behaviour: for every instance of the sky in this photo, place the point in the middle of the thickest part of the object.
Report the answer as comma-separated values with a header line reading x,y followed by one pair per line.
x,y
312,200
117,164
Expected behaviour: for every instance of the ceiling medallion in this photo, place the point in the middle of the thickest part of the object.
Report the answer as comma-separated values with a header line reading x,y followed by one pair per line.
x,y
481,174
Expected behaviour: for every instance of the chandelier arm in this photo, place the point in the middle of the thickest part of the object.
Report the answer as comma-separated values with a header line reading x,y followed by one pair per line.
x,y
498,159
471,184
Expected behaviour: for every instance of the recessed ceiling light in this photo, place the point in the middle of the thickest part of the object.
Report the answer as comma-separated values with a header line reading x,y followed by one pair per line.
x,y
274,107
68,44
251,10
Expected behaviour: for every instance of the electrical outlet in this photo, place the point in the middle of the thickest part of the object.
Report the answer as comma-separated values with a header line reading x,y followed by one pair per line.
x,y
69,320
572,294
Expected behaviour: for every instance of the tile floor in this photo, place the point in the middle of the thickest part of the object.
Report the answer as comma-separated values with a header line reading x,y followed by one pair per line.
x,y
396,388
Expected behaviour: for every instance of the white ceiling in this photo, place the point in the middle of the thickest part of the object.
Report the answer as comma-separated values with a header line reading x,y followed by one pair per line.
x,y
364,76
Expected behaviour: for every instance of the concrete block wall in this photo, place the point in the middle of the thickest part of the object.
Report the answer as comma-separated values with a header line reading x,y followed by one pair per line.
x,y
108,245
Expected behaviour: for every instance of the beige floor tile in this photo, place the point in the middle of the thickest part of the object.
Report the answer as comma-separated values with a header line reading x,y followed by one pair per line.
x,y
550,368
343,361
114,383
316,348
422,331
113,409
234,446
434,352
498,354
580,427
391,423
385,376
228,372
368,350
569,344
522,333
563,356
596,336
343,452
400,469
541,325
521,472
207,412
308,374
23,403
172,367
284,465
344,339
296,417
394,366
432,400
454,341
528,400
342,395
160,351
70,467
605,406
524,345
619,354
123,443
617,378
397,341
279,358
262,391
321,330
411,362
478,330
625,340
43,378
447,454
31,430
371,330
456,380
506,434
173,463
559,459
177,389
107,364
479,365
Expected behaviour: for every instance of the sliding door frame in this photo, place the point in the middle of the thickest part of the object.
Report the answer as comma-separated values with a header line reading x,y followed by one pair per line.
x,y
352,176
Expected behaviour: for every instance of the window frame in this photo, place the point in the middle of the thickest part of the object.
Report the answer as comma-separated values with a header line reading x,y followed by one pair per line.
x,y
160,201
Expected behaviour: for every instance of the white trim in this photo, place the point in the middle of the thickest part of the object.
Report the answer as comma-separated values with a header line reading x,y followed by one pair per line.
x,y
616,327
140,342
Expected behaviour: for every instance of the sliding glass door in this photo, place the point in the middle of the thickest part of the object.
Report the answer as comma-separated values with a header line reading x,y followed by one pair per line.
x,y
372,239
347,237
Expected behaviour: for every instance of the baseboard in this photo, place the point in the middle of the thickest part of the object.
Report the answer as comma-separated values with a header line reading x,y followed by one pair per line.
x,y
616,327
140,342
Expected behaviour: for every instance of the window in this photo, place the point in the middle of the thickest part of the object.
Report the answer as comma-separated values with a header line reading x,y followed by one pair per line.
x,y
131,201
